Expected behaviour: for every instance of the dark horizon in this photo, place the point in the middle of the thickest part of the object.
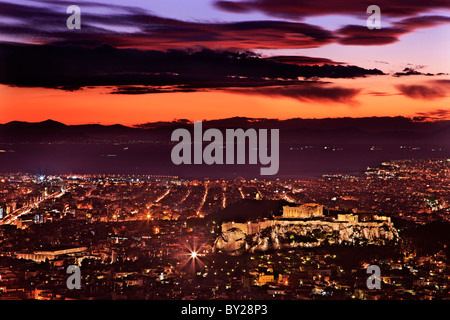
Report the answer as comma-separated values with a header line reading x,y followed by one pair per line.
x,y
415,119
309,148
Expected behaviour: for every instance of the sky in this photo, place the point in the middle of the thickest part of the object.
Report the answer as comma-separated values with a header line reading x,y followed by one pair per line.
x,y
145,61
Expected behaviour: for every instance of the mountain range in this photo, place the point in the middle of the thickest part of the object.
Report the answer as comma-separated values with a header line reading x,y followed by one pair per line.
x,y
308,147
373,130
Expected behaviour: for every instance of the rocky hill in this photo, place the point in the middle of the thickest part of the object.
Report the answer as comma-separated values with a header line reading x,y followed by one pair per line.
x,y
293,234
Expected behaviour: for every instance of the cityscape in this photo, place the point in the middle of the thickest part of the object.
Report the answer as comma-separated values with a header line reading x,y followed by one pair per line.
x,y
165,237
212,158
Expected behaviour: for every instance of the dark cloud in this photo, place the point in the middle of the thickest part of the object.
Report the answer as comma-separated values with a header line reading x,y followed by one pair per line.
x,y
231,6
299,9
420,92
304,60
379,93
307,92
134,27
361,35
136,71
148,89
302,91
422,22
411,72
432,90
433,115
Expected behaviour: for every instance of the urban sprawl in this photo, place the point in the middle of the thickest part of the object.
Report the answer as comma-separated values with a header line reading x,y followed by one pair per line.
x,y
165,237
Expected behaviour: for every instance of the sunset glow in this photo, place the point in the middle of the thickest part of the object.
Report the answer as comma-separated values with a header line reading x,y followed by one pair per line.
x,y
419,45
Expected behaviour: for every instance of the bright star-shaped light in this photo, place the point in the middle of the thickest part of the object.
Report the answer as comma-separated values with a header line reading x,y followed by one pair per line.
x,y
191,258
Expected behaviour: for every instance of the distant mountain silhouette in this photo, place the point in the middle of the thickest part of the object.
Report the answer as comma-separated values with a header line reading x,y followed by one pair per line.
x,y
308,147
50,130
330,130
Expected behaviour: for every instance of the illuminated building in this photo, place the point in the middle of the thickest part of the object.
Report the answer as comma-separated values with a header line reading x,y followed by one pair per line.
x,y
307,210
347,217
40,256
264,279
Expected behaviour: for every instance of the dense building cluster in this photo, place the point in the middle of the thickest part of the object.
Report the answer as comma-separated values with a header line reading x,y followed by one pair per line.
x,y
147,237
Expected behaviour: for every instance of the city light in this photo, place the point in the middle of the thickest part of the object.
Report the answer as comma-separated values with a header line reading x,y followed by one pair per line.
x,y
176,247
